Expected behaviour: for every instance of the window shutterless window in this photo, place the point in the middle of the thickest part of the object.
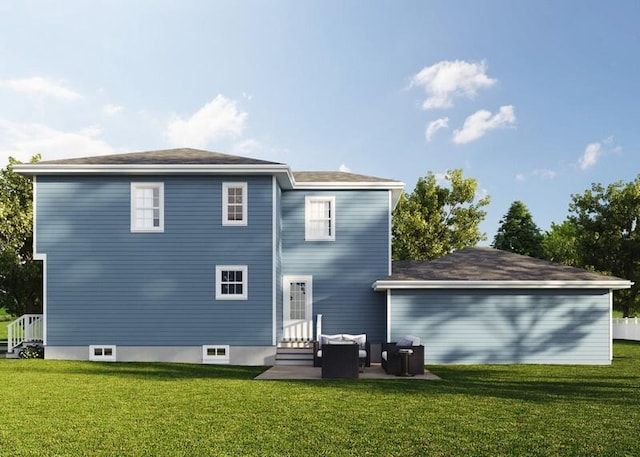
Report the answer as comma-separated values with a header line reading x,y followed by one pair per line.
x,y
231,282
320,219
234,203
147,207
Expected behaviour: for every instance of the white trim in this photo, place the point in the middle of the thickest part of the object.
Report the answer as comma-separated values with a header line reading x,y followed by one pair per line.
x,y
225,203
459,284
309,235
389,236
274,264
221,355
149,185
34,212
610,325
43,258
102,357
388,315
245,282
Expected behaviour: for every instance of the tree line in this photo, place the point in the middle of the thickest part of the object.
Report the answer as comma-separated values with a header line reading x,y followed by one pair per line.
x,y
600,233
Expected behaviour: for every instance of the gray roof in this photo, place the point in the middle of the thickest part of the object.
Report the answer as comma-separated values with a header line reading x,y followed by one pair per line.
x,y
180,156
488,264
335,176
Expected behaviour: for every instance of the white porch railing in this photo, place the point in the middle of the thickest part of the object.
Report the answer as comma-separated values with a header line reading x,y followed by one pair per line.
x,y
626,328
24,329
318,326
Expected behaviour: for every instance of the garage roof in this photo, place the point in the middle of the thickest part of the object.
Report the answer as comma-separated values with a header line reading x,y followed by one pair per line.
x,y
483,267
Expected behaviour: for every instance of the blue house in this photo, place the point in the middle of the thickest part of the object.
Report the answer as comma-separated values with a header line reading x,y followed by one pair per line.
x,y
194,256
188,255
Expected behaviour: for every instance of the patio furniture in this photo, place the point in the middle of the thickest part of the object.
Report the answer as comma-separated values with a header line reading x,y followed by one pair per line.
x,y
340,360
364,348
391,356
404,361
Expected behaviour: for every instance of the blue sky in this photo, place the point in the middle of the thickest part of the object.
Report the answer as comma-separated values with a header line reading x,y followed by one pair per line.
x,y
536,100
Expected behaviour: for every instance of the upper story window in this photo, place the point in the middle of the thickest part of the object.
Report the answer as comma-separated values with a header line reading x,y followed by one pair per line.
x,y
234,203
231,282
320,219
147,207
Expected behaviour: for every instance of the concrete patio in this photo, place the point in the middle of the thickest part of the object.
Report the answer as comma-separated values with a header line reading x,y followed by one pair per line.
x,y
375,371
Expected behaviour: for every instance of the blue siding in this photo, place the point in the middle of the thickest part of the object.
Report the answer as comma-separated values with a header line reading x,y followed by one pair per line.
x,y
107,285
519,326
343,270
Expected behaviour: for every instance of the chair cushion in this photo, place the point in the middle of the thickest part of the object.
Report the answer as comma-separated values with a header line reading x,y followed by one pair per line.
x,y
319,353
362,354
361,339
384,355
324,339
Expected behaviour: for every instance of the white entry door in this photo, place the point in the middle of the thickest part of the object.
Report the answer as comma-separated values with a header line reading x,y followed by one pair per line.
x,y
298,308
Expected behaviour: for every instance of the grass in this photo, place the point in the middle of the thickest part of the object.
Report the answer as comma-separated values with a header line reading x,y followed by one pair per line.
x,y
83,408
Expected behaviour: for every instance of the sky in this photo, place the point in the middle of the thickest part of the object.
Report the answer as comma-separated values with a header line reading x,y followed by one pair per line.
x,y
535,100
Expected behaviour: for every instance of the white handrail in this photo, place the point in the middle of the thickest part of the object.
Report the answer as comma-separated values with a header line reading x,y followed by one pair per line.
x,y
318,326
27,327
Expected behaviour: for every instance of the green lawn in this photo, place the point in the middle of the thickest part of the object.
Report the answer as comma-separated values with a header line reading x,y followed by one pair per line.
x,y
83,408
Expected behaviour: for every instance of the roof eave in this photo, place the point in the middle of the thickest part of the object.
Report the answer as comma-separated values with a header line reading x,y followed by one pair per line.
x,y
461,284
282,172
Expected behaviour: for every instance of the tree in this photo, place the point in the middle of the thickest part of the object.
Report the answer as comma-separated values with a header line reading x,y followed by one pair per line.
x,y
518,233
606,223
559,244
20,275
435,220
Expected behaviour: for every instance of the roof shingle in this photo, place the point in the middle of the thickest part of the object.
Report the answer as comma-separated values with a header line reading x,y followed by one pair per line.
x,y
488,264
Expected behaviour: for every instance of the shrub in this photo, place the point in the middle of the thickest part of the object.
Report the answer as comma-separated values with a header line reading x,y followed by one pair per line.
x,y
32,352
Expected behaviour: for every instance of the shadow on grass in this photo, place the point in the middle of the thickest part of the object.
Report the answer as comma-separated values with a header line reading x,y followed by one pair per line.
x,y
142,370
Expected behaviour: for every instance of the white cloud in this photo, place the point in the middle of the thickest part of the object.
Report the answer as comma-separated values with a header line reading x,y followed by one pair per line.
x,y
217,119
447,79
480,122
544,173
590,156
436,125
344,168
40,86
22,141
111,110
246,147
520,177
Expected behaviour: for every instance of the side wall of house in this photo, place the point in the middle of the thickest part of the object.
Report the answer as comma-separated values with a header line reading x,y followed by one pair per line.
x,y
107,285
343,270
505,326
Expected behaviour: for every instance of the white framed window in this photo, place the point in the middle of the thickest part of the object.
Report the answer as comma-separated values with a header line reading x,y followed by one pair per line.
x,y
215,354
231,282
147,207
320,219
234,203
102,353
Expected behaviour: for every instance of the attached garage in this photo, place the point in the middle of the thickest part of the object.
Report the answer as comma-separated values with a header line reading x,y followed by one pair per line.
x,y
485,306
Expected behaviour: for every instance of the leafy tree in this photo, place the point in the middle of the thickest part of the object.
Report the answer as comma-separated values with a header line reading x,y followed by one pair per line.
x,y
20,275
607,227
559,244
518,233
435,220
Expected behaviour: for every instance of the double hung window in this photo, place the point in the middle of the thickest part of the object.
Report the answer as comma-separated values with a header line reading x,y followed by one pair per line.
x,y
320,219
234,203
147,207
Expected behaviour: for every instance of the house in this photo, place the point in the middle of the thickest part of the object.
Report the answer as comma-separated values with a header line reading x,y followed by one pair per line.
x,y
189,255
194,256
